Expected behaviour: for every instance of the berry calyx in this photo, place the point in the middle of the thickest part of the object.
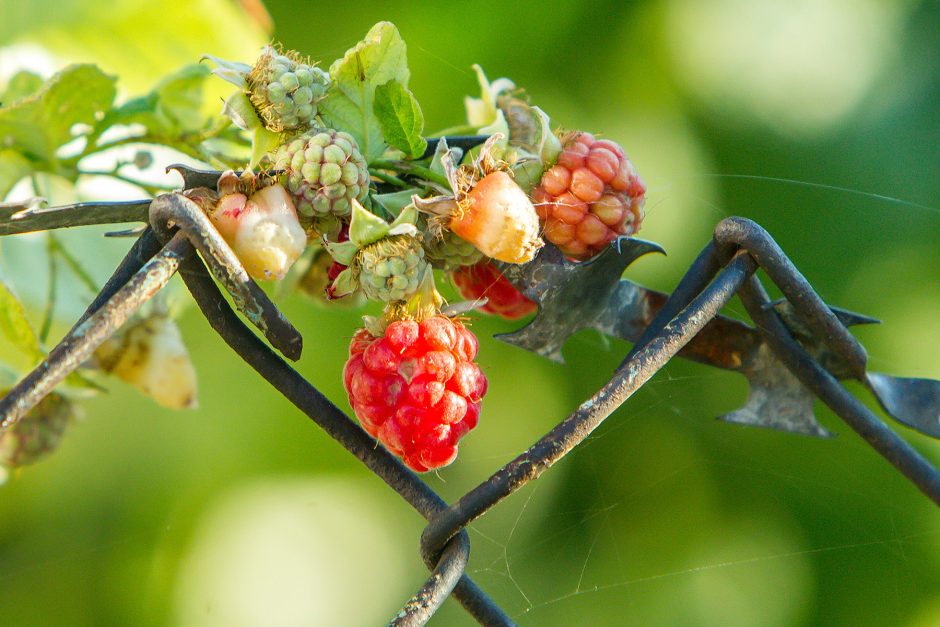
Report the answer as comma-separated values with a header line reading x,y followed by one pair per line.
x,y
324,173
487,209
484,280
336,268
415,387
592,195
385,261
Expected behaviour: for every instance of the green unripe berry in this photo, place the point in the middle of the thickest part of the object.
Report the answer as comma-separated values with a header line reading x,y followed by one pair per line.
x,y
304,76
303,96
330,173
285,90
276,93
289,81
310,170
334,154
314,153
324,172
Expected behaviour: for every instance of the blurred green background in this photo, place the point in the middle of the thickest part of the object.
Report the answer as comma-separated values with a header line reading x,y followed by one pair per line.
x,y
818,119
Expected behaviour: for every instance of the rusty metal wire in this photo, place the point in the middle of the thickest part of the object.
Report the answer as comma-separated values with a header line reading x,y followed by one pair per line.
x,y
818,351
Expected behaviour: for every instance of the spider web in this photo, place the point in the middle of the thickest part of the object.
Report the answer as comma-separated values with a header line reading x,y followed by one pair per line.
x,y
745,526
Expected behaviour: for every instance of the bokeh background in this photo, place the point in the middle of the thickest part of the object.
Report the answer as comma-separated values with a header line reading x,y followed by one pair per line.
x,y
820,119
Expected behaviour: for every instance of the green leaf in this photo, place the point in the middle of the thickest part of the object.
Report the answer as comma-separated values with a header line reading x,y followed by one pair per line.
x,y
38,125
394,202
21,85
13,167
348,106
14,325
173,107
400,118
179,98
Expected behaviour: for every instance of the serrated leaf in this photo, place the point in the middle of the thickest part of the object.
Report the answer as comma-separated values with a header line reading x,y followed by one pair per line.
x,y
22,84
15,326
38,125
400,118
13,167
348,105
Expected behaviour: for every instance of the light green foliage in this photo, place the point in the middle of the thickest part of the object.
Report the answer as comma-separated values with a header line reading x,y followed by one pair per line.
x,y
22,84
172,107
38,125
400,118
348,106
138,41
178,98
664,517
13,167
15,327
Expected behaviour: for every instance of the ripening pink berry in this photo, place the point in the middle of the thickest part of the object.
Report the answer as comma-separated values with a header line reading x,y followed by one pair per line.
x,y
589,197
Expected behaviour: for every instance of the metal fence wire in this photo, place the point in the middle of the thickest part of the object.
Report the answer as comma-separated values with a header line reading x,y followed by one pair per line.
x,y
798,349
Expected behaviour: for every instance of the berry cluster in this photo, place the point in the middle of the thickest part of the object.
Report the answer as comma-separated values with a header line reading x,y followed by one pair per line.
x,y
416,388
484,281
411,377
590,196
325,173
285,90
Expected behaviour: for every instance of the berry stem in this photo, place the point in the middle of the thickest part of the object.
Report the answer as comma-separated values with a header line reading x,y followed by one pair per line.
x,y
150,188
413,169
390,179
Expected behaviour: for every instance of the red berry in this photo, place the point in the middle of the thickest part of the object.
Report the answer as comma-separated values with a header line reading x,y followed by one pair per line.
x,y
589,197
416,388
484,280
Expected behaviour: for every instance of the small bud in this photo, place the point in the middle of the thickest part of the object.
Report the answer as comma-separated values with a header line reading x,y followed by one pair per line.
x,y
143,159
150,355
37,434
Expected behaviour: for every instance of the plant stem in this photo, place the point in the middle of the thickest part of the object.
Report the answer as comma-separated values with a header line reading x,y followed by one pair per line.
x,y
390,179
51,294
56,247
150,188
413,169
